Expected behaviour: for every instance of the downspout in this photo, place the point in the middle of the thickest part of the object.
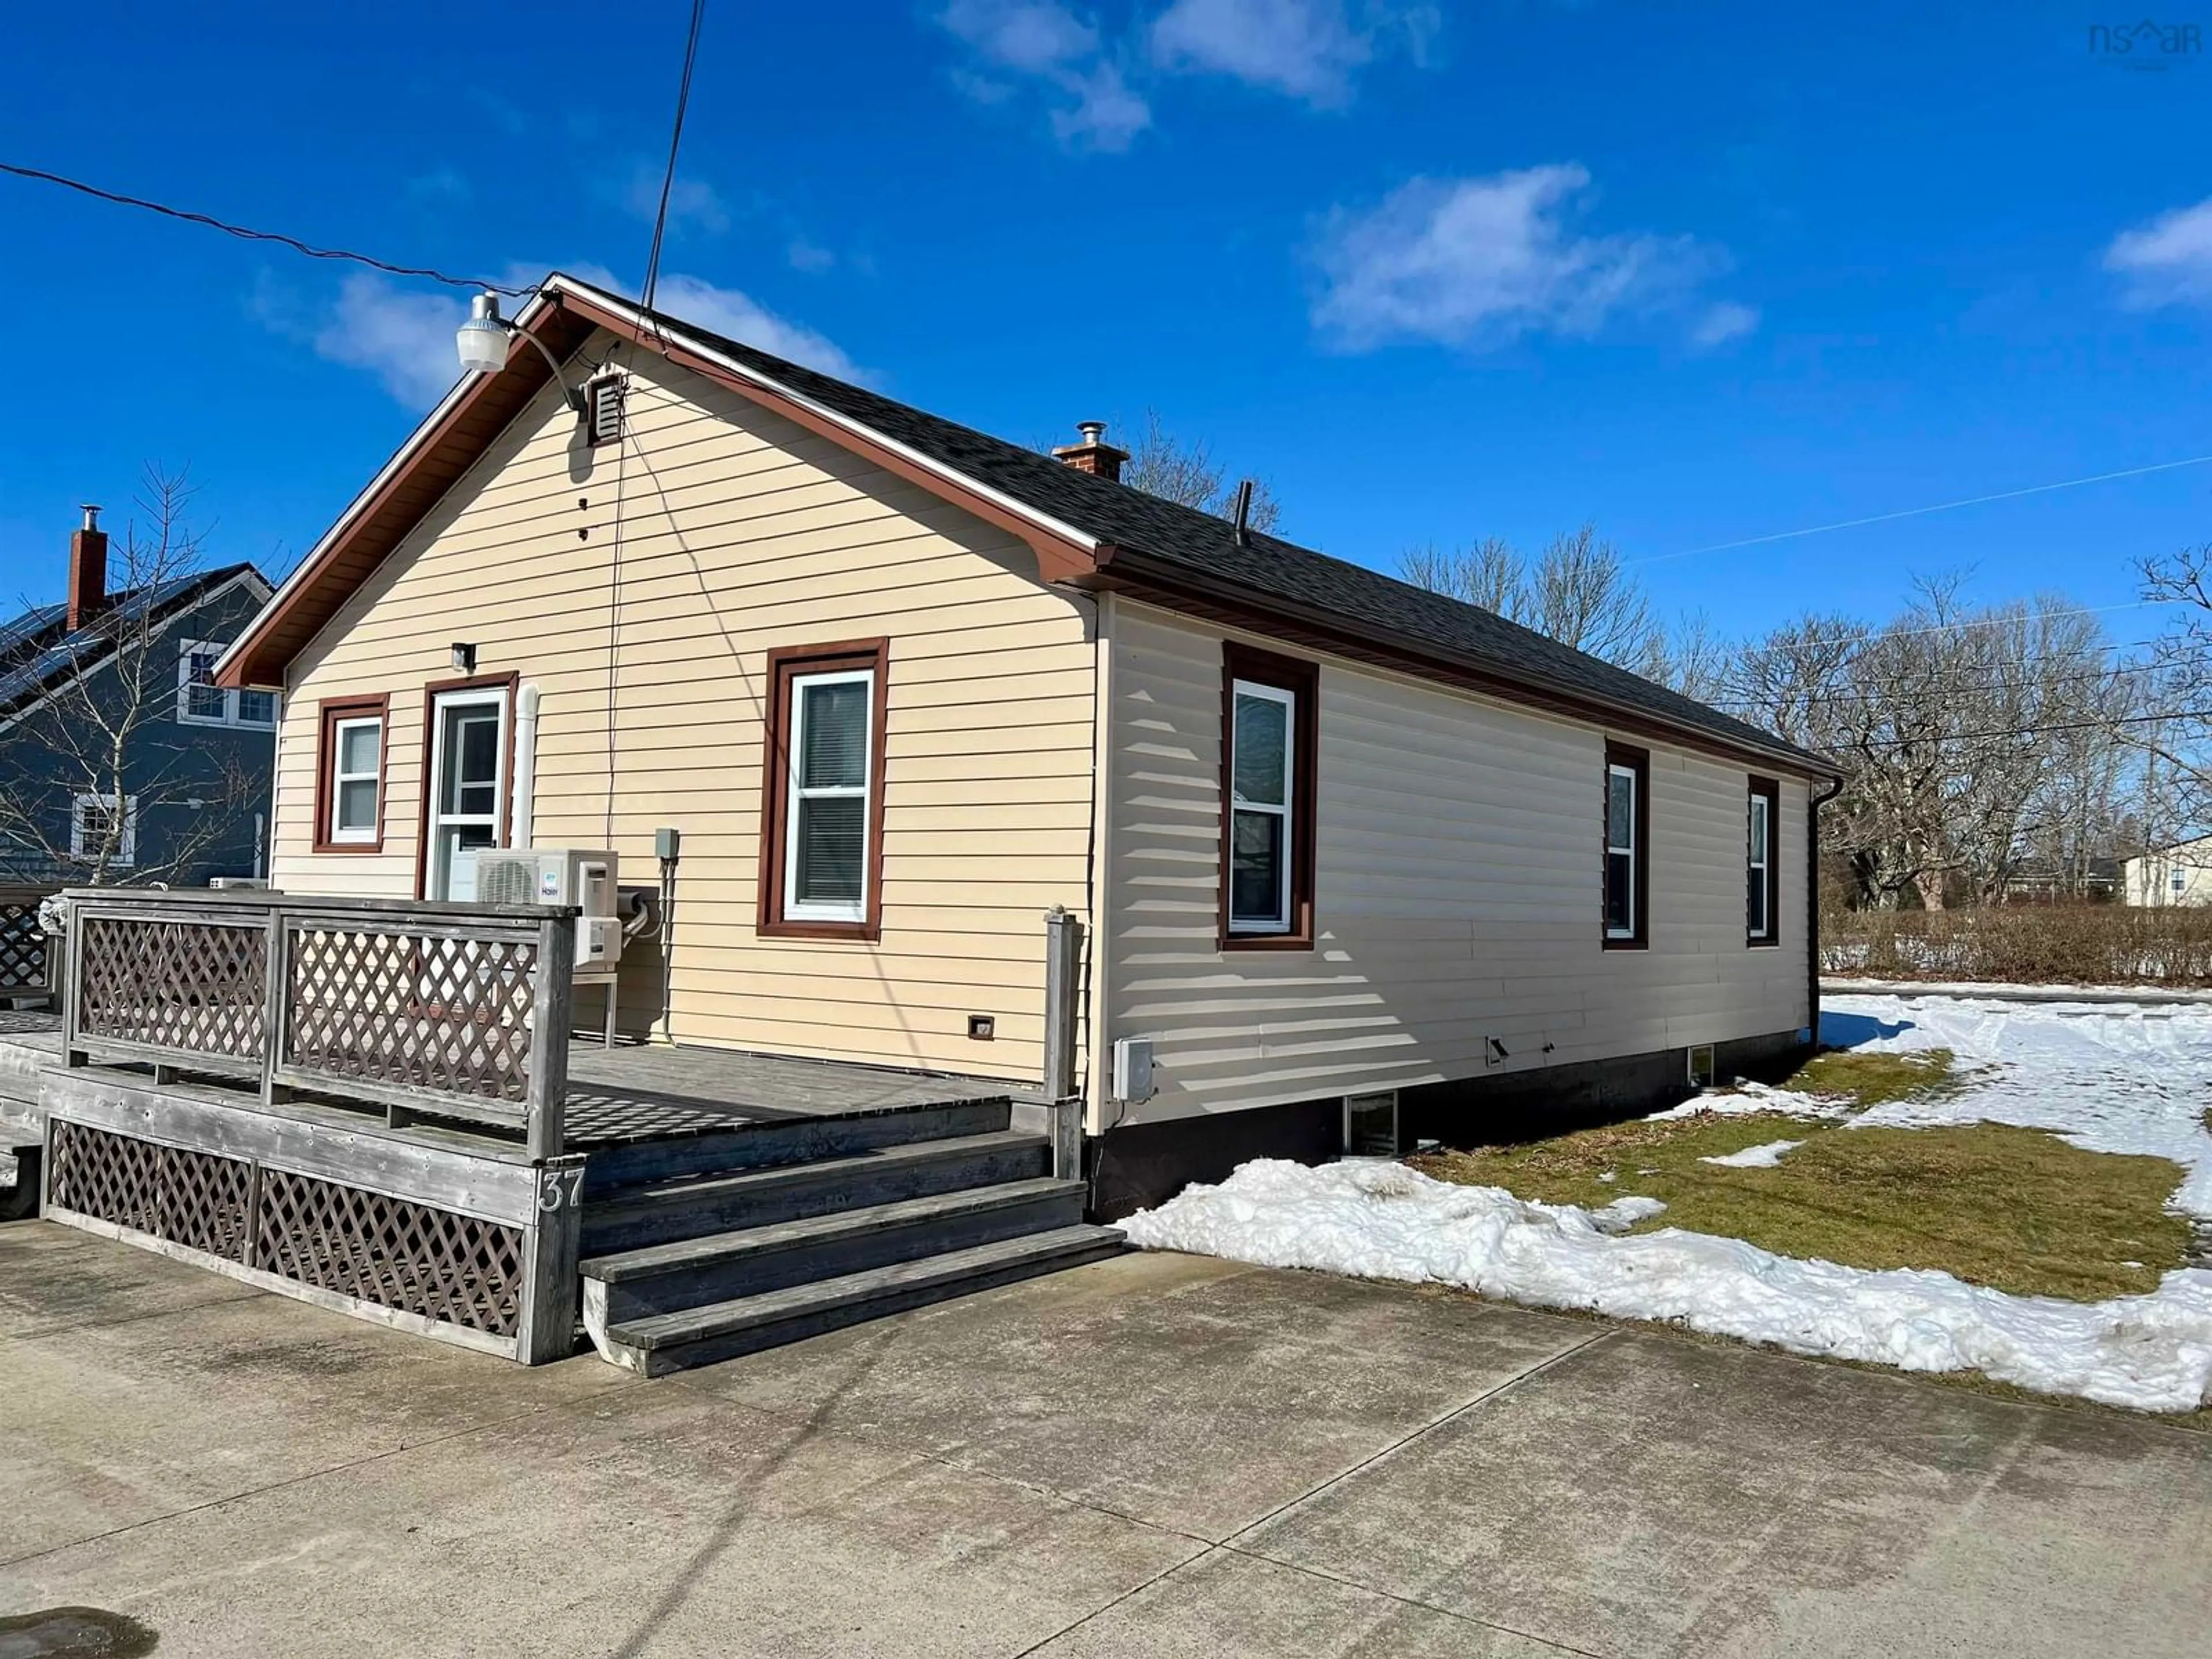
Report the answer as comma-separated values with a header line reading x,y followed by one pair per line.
x,y
524,810
1813,805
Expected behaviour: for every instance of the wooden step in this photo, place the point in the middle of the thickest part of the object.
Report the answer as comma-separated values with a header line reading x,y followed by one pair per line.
x,y
721,1267
635,1218
660,1343
793,1140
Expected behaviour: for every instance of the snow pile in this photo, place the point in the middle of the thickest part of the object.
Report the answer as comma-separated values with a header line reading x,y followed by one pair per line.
x,y
1747,1098
1763,1157
1384,1221
2132,1078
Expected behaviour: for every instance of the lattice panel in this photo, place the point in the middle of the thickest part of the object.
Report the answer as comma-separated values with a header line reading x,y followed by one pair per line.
x,y
392,1252
196,986
22,946
375,1248
196,1199
447,1015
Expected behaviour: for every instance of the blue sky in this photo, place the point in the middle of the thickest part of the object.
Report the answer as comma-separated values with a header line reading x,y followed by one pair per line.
x,y
1695,273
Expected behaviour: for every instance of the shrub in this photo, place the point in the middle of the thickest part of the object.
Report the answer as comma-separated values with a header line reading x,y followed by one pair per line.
x,y
2026,944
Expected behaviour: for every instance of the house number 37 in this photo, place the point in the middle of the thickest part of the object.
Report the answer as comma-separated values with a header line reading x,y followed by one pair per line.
x,y
562,1189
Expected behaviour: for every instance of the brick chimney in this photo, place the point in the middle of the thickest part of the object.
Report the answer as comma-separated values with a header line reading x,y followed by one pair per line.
x,y
88,587
1094,454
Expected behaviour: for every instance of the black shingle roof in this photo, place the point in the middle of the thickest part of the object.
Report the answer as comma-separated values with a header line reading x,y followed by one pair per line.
x,y
1362,600
37,649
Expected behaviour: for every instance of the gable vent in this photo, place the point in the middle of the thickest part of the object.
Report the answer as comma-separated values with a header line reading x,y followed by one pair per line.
x,y
603,409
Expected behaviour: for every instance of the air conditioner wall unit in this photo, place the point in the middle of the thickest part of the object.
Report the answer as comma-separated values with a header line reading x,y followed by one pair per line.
x,y
585,877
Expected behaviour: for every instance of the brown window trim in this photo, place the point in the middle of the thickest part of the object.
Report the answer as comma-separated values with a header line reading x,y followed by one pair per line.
x,y
1771,789
1639,761
1302,679
431,692
785,664
328,714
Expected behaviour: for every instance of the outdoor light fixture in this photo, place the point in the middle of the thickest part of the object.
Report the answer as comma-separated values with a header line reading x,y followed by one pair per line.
x,y
483,344
464,658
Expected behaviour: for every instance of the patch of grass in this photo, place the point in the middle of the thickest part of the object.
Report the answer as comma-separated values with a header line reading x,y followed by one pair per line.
x,y
2015,1209
1868,1079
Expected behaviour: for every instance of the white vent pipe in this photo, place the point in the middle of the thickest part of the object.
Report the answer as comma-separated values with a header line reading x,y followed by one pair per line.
x,y
524,810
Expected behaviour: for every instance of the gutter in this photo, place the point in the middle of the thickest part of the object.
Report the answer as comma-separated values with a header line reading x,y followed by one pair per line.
x,y
1812,904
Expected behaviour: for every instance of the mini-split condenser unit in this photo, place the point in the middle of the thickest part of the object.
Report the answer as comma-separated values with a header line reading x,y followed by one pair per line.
x,y
561,875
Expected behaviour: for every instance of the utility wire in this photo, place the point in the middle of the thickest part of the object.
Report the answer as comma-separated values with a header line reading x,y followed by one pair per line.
x,y
246,234
675,143
1918,512
2022,670
2030,730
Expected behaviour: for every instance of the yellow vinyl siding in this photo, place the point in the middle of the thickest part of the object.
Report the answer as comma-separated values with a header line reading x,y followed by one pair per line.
x,y
1456,892
741,532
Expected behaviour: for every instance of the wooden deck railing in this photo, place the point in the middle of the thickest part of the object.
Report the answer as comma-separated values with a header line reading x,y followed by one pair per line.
x,y
26,961
456,1011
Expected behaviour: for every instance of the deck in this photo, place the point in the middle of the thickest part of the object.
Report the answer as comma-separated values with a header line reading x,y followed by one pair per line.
x,y
619,1096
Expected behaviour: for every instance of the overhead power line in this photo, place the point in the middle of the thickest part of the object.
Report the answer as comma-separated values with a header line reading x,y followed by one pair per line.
x,y
675,143
1918,512
2024,679
2034,730
248,233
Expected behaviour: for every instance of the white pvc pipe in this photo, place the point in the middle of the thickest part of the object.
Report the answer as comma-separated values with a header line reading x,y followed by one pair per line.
x,y
524,810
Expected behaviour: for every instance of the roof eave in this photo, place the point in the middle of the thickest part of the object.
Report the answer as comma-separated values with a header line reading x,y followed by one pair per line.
x,y
1140,575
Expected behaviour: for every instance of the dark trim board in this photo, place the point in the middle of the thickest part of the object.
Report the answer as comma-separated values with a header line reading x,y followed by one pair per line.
x,y
1138,1165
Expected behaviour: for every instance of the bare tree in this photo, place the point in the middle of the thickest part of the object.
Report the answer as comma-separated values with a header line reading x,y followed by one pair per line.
x,y
1577,591
2177,747
1186,473
98,759
1970,739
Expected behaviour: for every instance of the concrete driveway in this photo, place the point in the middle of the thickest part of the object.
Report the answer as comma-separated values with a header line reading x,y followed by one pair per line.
x,y
1153,1455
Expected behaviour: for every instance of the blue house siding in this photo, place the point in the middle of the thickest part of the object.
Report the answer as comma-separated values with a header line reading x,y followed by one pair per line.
x,y
202,790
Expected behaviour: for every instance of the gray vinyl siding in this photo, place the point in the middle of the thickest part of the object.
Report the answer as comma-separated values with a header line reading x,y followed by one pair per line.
x,y
1458,893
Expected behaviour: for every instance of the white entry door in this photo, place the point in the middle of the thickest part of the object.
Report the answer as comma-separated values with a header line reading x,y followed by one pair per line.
x,y
468,787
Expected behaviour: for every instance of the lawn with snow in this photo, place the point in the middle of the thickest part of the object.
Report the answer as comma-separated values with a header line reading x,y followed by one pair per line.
x,y
2125,1080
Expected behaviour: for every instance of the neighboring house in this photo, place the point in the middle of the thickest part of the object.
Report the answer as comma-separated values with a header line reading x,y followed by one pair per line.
x,y
120,759
902,687
2179,874
2046,880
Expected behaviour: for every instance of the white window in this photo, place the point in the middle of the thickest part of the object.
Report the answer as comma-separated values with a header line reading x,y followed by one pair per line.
x,y
94,831
1261,788
825,850
201,702
468,787
1761,864
1622,902
356,766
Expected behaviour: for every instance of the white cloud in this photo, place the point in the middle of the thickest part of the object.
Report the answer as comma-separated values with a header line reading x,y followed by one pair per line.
x,y
1474,262
405,336
693,204
728,311
1033,36
1308,49
1722,322
2167,261
1106,114
808,256
1090,104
